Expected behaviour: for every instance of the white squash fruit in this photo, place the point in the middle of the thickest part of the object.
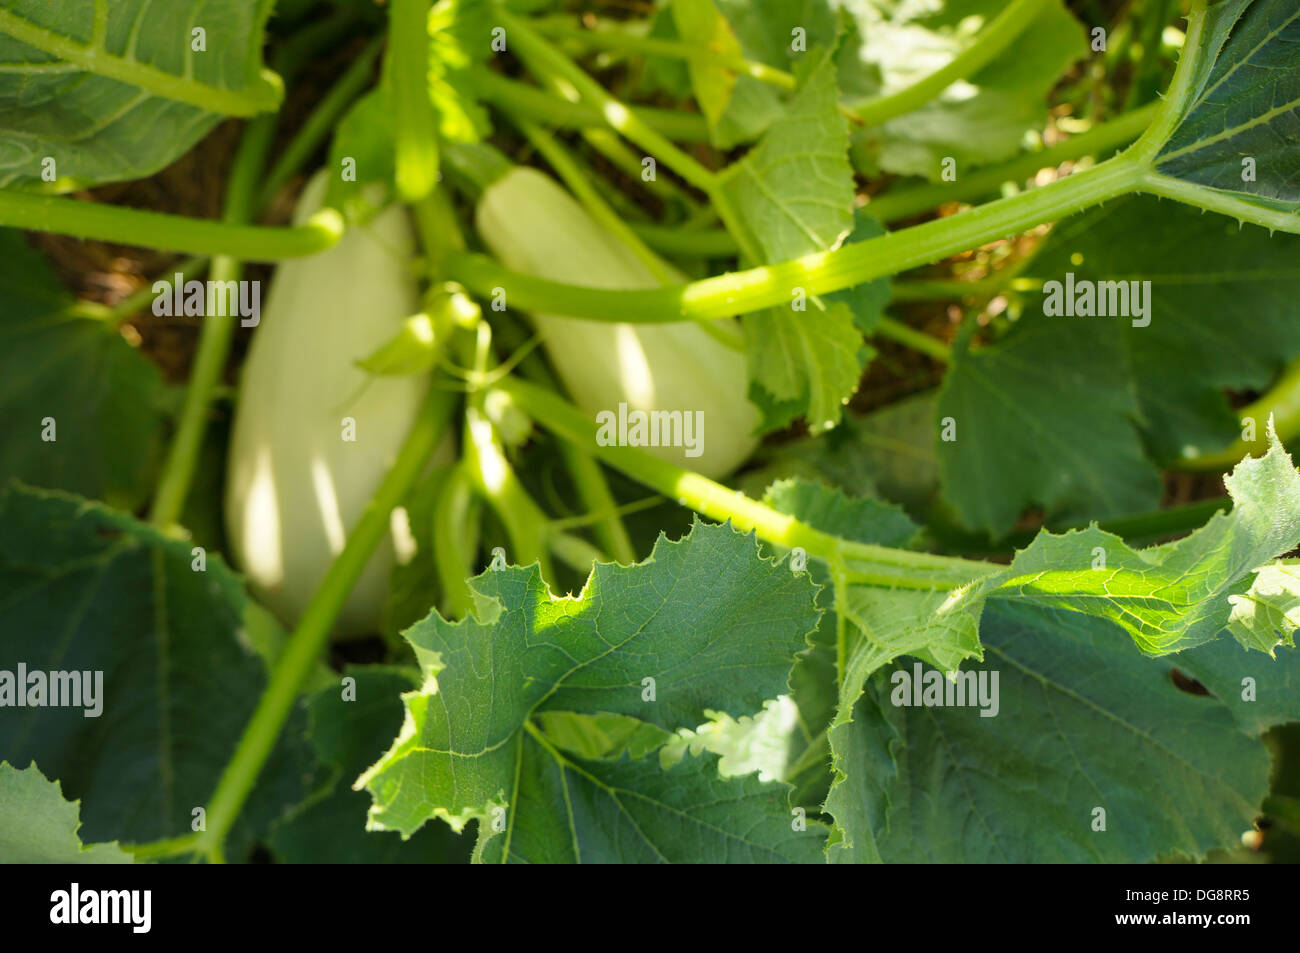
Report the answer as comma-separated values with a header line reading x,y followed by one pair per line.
x,y
295,487
532,225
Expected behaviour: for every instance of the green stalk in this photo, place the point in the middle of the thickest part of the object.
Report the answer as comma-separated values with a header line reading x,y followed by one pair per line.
x,y
495,479
1225,203
594,492
547,61
309,637
603,514
887,327
1169,113
818,273
623,158
670,49
1108,136
672,240
992,40
531,101
877,564
916,200
321,122
214,336
453,510
939,289
415,141
165,232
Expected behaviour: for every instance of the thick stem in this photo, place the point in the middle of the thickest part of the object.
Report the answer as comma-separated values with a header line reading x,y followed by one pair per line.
x,y
415,140
818,273
190,236
303,649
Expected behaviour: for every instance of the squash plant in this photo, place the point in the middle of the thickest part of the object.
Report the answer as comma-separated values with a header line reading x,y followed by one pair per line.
x,y
703,431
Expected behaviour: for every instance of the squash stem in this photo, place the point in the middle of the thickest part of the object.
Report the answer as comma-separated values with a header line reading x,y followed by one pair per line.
x,y
415,140
305,644
768,285
877,565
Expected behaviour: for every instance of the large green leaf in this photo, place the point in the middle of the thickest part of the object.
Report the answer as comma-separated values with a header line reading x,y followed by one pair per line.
x,y
703,625
1083,722
103,396
1223,315
1244,107
37,826
88,589
117,90
975,121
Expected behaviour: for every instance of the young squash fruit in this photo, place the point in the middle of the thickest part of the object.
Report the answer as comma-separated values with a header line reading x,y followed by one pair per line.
x,y
534,226
313,434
